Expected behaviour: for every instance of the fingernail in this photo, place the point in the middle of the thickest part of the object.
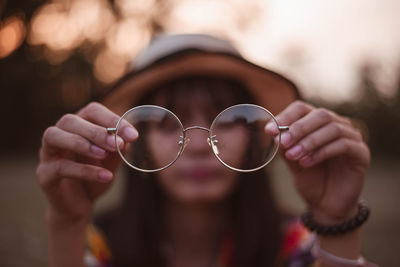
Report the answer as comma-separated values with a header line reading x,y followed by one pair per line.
x,y
98,151
286,139
111,142
295,152
105,176
130,133
120,142
271,127
276,139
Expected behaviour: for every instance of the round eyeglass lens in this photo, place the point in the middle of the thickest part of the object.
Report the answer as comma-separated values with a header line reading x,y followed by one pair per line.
x,y
238,138
159,142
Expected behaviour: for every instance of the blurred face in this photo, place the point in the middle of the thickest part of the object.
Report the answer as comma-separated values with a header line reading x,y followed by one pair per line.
x,y
197,176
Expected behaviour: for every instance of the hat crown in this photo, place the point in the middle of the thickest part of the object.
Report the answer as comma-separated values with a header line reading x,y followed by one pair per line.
x,y
166,44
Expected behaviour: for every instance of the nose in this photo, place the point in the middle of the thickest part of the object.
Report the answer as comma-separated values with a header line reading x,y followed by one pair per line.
x,y
197,140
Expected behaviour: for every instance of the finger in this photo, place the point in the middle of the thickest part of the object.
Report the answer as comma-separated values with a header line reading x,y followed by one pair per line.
x,y
55,138
340,147
320,137
94,133
51,172
114,161
308,124
293,112
271,127
100,115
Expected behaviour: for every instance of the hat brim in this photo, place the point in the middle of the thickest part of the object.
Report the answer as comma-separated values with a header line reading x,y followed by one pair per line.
x,y
269,89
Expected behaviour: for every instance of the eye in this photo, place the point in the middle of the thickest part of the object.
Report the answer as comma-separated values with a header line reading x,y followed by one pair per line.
x,y
168,124
232,122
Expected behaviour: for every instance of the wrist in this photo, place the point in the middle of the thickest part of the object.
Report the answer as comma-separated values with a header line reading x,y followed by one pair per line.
x,y
325,218
66,238
55,219
328,228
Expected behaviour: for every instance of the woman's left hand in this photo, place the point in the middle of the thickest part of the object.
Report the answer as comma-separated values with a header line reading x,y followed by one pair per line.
x,y
328,159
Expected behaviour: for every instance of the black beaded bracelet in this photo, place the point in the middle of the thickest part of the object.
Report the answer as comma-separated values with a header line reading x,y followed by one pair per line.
x,y
337,229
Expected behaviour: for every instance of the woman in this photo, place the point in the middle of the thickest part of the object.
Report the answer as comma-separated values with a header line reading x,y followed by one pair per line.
x,y
197,212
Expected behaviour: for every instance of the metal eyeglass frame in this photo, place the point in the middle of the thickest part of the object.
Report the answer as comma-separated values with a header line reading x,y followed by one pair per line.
x,y
184,141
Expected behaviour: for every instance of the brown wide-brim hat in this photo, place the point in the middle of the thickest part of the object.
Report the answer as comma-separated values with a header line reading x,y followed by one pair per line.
x,y
172,56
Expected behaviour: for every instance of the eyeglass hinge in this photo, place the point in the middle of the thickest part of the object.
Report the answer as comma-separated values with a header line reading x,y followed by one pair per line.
x,y
111,130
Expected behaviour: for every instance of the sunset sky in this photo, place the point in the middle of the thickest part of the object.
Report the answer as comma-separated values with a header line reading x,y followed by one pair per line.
x,y
320,44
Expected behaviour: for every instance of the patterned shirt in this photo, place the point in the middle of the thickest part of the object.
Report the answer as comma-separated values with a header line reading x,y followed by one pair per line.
x,y
295,251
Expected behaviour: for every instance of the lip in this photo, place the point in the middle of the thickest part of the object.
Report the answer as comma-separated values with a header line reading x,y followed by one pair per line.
x,y
200,174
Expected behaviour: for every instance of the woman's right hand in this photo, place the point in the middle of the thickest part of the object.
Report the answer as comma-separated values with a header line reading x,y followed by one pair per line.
x,y
78,159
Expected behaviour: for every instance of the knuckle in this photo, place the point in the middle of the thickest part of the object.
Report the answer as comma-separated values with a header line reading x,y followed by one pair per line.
x,y
324,114
58,167
88,109
66,119
310,143
297,129
337,129
298,105
49,134
301,106
92,107
346,145
96,135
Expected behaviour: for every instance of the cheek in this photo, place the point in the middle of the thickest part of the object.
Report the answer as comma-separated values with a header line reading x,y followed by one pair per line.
x,y
232,145
163,148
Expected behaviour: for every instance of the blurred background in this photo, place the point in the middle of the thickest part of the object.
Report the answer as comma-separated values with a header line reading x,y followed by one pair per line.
x,y
56,56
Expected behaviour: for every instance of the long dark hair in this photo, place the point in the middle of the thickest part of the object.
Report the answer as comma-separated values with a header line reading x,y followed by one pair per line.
x,y
133,230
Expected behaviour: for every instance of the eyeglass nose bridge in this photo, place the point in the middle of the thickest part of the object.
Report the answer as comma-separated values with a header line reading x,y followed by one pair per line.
x,y
196,127
211,141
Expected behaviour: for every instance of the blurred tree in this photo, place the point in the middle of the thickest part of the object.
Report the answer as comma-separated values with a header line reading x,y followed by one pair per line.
x,y
16,75
380,115
40,84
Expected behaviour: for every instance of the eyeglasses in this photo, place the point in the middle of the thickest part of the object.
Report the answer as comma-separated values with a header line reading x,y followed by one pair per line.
x,y
237,137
